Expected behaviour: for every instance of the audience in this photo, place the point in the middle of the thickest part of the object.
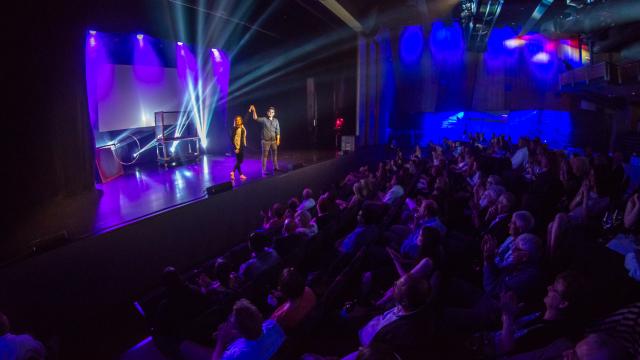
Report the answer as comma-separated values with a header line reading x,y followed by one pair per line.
x,y
299,300
246,336
405,327
305,226
18,347
263,259
459,233
307,201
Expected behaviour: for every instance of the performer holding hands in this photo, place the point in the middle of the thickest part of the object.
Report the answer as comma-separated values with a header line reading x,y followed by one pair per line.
x,y
270,137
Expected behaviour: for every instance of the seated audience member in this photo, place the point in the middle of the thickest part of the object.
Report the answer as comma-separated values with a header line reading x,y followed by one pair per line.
x,y
597,346
395,191
299,300
273,221
406,328
292,208
592,199
498,218
246,336
290,240
521,156
263,258
364,234
325,216
18,347
429,259
219,282
521,222
426,216
307,200
560,318
522,274
546,190
174,315
305,226
417,154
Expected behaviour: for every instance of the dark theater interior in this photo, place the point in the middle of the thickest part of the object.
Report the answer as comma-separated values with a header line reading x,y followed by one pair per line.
x,y
321,180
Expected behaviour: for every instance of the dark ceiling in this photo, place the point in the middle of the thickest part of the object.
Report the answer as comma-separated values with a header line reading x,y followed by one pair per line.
x,y
614,22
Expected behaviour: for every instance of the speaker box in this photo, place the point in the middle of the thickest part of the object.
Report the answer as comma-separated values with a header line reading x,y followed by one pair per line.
x,y
219,188
107,164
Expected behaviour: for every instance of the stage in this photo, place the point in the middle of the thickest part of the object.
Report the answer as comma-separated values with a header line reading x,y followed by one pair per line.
x,y
142,191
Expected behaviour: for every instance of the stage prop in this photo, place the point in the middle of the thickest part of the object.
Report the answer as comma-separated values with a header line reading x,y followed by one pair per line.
x,y
108,165
176,137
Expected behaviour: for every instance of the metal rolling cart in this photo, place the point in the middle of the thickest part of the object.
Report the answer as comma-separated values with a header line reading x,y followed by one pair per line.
x,y
177,139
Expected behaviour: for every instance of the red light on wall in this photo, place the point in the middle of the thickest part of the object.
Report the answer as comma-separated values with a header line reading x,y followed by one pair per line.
x,y
339,123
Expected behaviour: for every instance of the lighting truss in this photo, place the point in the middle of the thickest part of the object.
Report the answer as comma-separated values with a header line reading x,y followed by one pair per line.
x,y
478,19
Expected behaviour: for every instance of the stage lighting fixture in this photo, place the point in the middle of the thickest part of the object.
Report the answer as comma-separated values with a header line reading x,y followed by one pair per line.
x,y
514,43
541,58
216,55
92,32
140,36
180,43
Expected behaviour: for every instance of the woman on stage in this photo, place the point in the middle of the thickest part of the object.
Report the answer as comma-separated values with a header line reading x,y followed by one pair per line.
x,y
239,143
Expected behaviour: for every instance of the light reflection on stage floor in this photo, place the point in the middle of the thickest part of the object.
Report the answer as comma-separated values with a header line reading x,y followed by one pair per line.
x,y
142,190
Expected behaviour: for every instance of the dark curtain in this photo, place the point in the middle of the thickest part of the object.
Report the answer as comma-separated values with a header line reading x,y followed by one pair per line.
x,y
49,144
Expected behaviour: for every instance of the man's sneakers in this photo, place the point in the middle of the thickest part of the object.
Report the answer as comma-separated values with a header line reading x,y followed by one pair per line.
x,y
233,175
242,177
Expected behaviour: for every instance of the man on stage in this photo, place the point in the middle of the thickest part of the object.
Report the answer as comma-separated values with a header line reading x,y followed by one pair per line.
x,y
270,137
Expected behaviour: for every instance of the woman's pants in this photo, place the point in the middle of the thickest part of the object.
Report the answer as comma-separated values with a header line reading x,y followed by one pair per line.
x,y
239,159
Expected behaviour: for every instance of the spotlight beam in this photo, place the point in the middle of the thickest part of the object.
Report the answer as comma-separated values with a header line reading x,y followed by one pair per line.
x,y
343,14
542,7
226,17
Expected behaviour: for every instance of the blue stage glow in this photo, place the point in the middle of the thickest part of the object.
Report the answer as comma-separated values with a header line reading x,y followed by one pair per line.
x,y
499,54
446,42
552,127
388,90
411,44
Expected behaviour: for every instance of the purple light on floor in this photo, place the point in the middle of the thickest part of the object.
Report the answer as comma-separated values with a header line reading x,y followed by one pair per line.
x,y
147,67
541,58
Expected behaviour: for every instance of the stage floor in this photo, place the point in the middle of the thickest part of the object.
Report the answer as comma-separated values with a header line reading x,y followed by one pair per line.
x,y
142,191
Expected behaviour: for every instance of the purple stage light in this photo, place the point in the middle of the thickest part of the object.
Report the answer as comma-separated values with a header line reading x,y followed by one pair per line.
x,y
92,32
147,66
180,43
